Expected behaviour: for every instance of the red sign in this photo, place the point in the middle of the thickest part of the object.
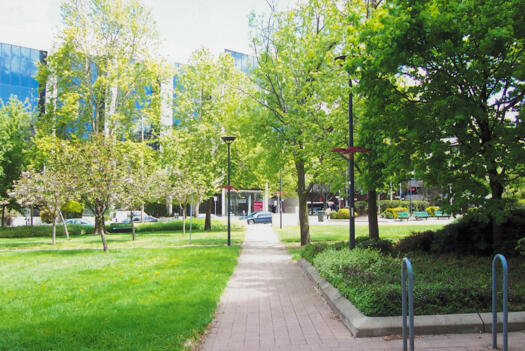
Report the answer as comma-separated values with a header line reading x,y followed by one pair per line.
x,y
412,189
257,205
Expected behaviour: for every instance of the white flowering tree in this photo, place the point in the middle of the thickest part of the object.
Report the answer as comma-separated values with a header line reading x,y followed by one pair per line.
x,y
44,189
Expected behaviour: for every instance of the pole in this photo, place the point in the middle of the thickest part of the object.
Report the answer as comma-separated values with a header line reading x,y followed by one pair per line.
x,y
351,166
215,200
229,203
191,212
280,200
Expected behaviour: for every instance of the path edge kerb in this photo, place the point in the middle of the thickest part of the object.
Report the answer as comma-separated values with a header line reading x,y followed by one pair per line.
x,y
363,326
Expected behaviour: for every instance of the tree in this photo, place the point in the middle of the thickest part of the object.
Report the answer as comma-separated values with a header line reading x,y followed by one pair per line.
x,y
15,131
137,184
100,169
207,101
102,78
449,76
300,88
48,190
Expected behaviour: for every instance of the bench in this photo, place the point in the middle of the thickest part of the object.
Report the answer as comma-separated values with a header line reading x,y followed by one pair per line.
x,y
402,215
421,215
439,214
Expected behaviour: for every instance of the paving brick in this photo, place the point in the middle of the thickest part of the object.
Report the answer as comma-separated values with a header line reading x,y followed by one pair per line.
x,y
269,304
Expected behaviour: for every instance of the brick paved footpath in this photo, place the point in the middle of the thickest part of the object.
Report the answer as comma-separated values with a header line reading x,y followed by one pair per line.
x,y
269,304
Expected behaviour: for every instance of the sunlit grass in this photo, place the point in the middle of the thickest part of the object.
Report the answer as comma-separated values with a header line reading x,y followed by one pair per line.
x,y
127,299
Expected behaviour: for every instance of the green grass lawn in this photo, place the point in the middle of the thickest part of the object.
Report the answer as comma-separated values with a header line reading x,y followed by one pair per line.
x,y
127,299
121,241
290,235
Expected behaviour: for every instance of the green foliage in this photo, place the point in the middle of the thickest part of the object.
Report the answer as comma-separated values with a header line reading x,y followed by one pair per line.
x,y
26,231
156,209
417,205
470,235
70,294
385,246
443,285
197,225
72,209
443,83
45,216
361,207
15,131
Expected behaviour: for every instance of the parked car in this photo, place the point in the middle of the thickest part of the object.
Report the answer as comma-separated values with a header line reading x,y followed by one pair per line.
x,y
259,217
77,221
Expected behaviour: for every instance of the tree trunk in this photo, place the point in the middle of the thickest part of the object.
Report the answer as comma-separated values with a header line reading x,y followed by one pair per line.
x,y
100,227
3,215
497,193
373,228
54,233
132,226
64,223
303,203
184,220
195,211
31,215
207,221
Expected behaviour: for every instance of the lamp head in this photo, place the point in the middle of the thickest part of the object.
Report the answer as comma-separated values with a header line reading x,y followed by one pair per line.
x,y
228,139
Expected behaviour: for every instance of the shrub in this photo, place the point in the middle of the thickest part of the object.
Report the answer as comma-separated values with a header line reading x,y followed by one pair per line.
x,y
444,284
385,246
431,210
342,213
417,205
393,211
361,207
156,209
26,231
175,225
416,241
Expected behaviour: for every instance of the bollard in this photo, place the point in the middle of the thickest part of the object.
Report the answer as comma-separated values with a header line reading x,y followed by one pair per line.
x,y
406,264
504,267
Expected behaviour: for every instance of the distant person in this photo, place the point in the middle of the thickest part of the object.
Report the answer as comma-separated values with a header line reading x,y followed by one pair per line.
x,y
327,212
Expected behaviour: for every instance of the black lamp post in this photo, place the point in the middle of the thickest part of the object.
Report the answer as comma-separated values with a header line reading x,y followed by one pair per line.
x,y
350,151
228,140
280,200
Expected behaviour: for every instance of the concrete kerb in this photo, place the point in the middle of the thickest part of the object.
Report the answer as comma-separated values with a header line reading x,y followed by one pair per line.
x,y
363,326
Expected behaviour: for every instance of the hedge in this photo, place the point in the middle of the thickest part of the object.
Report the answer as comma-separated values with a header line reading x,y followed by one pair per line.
x,y
176,225
26,231
442,284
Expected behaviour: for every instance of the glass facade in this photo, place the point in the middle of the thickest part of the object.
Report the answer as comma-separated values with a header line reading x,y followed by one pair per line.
x,y
243,62
18,66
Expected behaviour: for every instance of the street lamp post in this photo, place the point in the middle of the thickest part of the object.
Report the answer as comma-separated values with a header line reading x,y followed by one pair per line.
x,y
280,200
228,141
350,151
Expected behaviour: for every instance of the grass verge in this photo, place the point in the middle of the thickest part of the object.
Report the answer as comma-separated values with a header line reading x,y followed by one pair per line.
x,y
134,299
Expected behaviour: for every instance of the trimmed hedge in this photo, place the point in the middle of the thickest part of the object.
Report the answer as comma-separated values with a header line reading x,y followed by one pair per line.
x,y
176,225
442,285
26,231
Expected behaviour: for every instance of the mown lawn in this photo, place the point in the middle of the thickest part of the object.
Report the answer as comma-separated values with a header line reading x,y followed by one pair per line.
x,y
122,241
290,235
127,299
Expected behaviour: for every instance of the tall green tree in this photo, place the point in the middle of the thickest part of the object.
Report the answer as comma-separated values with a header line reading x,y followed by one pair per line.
x,y
103,68
207,103
15,133
449,77
299,86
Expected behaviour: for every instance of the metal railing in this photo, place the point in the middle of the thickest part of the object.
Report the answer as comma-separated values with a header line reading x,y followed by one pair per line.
x,y
406,264
504,267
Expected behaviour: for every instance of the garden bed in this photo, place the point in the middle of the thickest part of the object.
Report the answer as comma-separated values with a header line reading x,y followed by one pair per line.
x,y
443,284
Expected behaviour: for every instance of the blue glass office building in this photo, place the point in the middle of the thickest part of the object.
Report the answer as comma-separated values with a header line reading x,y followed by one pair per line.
x,y
18,66
242,61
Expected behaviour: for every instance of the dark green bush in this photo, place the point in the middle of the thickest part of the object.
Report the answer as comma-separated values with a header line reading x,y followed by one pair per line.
x,y
442,284
418,241
385,246
361,207
175,225
156,209
26,231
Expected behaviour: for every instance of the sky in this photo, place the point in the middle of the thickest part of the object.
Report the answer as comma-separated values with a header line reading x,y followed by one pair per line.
x,y
184,26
